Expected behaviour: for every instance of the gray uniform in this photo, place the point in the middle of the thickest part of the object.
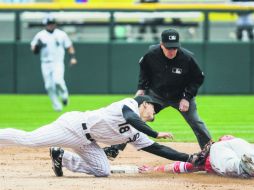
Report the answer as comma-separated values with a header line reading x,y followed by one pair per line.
x,y
191,117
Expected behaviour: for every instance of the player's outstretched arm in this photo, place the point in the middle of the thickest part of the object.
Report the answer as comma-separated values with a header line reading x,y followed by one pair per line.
x,y
167,152
176,167
167,168
165,135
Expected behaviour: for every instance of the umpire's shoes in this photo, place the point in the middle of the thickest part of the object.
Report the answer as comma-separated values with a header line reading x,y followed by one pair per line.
x,y
56,155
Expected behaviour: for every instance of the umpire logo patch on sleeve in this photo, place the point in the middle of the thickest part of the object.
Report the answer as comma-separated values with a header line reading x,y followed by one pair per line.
x,y
177,70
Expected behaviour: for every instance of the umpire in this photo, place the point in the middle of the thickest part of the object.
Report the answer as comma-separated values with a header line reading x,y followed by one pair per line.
x,y
171,76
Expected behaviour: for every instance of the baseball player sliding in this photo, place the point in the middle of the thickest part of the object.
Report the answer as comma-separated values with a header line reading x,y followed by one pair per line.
x,y
51,44
233,157
120,122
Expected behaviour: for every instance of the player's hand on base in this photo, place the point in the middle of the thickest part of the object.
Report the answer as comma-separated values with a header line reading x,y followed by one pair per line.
x,y
145,169
184,105
164,135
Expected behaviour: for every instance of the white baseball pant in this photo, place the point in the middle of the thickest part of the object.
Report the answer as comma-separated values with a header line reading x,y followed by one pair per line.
x,y
88,158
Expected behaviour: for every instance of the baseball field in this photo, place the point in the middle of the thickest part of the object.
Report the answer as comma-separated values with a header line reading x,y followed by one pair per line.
x,y
29,168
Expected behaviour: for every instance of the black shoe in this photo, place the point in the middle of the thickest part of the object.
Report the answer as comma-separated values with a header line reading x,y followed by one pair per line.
x,y
111,152
65,102
56,155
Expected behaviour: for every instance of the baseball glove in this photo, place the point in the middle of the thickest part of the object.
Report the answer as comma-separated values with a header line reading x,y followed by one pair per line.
x,y
38,47
111,152
200,158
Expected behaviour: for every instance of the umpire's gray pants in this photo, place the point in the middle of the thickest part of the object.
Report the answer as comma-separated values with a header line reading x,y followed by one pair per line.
x,y
191,117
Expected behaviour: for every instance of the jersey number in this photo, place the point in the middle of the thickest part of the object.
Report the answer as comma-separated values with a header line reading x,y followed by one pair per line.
x,y
123,128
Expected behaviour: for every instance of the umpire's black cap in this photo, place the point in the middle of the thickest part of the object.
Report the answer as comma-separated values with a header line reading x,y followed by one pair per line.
x,y
148,99
170,38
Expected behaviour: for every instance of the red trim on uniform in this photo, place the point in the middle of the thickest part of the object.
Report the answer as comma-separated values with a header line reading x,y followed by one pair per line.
x,y
208,167
177,167
188,167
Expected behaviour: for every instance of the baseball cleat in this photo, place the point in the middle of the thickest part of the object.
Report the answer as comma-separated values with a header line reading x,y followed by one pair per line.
x,y
56,155
65,102
247,164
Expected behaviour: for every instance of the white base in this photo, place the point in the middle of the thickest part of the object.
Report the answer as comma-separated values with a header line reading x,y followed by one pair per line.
x,y
127,169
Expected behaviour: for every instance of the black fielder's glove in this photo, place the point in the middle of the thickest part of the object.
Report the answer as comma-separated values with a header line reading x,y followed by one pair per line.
x,y
111,152
38,47
198,159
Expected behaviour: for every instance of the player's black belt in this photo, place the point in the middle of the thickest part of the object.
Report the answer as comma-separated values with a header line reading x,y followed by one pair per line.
x,y
88,136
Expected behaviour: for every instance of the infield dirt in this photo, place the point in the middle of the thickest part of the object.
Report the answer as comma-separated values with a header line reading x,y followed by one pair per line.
x,y
30,169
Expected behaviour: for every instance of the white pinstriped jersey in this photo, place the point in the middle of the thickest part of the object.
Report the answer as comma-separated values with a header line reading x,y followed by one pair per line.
x,y
107,125
81,131
55,44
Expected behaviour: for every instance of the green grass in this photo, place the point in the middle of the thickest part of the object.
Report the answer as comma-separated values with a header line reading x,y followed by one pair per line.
x,y
222,114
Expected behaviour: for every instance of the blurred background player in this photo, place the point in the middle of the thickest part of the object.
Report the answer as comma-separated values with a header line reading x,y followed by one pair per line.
x,y
244,22
149,22
51,43
230,156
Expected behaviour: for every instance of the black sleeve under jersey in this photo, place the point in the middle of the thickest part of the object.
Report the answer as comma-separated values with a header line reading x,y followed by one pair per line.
x,y
132,118
166,152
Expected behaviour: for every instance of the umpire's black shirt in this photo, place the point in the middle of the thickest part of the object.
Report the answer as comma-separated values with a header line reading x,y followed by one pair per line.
x,y
172,79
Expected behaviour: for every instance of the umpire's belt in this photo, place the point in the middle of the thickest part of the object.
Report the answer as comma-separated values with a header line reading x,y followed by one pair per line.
x,y
88,136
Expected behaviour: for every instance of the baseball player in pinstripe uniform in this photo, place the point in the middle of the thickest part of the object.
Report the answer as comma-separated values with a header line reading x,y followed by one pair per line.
x,y
120,122
230,156
51,44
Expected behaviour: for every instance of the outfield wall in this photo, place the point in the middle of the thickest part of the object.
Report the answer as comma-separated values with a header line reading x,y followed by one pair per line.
x,y
113,68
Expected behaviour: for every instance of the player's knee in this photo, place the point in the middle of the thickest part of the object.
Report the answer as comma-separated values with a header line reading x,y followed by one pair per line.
x,y
49,86
103,172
